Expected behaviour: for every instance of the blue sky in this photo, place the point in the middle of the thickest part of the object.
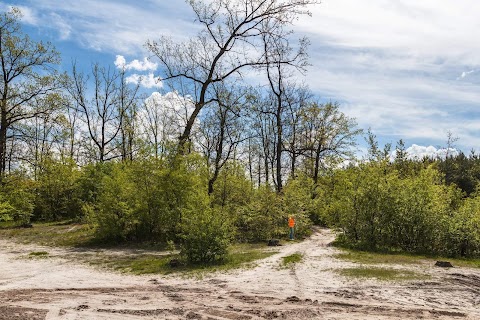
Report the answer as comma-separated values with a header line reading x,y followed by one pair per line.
x,y
407,69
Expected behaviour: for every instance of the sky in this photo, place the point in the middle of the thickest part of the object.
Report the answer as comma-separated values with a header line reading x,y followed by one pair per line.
x,y
406,69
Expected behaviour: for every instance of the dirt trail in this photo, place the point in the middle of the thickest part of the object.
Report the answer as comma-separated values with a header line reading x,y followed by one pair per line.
x,y
57,288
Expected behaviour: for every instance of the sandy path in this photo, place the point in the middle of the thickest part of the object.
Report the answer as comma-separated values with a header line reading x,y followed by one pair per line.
x,y
57,288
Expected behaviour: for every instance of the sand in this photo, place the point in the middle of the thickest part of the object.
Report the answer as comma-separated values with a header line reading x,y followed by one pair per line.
x,y
58,287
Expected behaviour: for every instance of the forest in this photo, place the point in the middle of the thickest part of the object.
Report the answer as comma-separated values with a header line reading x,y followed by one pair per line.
x,y
214,160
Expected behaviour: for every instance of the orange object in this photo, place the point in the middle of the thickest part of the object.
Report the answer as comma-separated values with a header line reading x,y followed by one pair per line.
x,y
291,222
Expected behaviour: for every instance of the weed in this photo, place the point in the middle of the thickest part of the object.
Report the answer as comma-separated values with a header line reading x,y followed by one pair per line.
x,y
38,254
292,259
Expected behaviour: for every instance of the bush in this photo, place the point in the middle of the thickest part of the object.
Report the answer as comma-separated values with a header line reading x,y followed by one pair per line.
x,y
463,230
262,218
378,209
57,192
145,200
16,199
113,213
205,234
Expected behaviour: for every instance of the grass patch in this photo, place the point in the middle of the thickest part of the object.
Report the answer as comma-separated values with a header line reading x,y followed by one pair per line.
x,y
68,234
401,258
38,254
243,255
378,258
292,259
459,262
58,234
382,274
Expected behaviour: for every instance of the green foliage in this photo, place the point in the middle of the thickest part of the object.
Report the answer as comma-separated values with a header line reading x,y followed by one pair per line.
x,y
292,259
6,210
206,233
57,192
462,236
377,209
232,189
462,171
145,200
113,213
163,190
262,218
16,198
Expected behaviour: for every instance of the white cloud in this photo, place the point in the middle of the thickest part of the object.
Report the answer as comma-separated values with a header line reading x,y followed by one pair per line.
x,y
120,62
416,152
63,28
145,65
393,65
466,73
147,81
117,26
422,28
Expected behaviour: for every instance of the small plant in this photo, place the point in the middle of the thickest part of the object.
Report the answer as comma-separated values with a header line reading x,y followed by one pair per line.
x,y
38,254
292,259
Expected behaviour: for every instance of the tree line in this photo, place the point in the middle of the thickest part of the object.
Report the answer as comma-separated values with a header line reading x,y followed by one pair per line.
x,y
213,160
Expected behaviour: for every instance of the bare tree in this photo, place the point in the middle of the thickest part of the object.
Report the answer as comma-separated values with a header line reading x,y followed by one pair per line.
x,y
222,131
298,100
278,74
229,43
127,105
40,137
104,113
162,117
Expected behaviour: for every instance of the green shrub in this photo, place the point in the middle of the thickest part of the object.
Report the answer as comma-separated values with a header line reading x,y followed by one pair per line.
x,y
113,213
16,198
206,234
462,236
262,218
57,192
376,208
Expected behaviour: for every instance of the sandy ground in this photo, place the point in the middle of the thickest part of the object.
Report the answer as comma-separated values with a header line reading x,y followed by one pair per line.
x,y
58,288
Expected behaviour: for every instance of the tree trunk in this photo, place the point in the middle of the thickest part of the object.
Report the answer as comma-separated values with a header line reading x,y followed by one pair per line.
x,y
3,141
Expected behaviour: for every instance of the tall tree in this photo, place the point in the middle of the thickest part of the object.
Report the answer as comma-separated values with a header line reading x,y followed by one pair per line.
x,y
222,130
277,51
27,77
327,132
299,99
229,42
127,104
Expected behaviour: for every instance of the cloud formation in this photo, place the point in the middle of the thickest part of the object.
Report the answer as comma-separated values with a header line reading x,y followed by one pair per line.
x,y
63,28
393,65
416,152
145,65
466,73
112,25
147,81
